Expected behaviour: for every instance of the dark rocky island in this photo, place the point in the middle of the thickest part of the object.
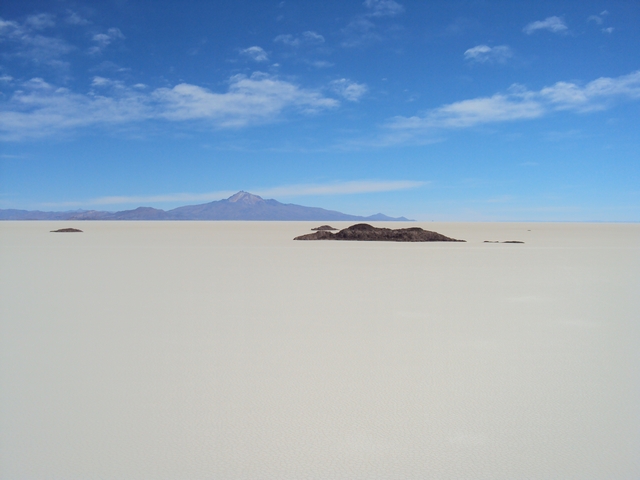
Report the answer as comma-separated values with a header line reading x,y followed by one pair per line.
x,y
66,230
366,233
324,227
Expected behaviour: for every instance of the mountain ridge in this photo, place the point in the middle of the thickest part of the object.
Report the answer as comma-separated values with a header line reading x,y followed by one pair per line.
x,y
241,206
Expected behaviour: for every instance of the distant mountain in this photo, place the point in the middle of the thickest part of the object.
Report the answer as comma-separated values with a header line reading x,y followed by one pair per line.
x,y
241,206
12,214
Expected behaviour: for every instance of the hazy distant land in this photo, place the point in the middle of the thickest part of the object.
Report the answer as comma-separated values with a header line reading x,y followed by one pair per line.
x,y
241,206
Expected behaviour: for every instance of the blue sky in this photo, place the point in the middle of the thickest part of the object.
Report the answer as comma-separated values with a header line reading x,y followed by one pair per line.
x,y
439,110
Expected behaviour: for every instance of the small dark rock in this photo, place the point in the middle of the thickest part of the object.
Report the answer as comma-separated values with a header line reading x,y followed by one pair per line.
x,y
508,241
66,230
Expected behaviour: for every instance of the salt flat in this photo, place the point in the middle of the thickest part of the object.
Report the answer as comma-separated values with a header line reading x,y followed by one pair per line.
x,y
225,350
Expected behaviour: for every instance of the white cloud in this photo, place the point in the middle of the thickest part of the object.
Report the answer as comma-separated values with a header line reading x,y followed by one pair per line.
x,y
517,104
469,113
255,53
40,21
103,40
306,38
25,43
595,95
320,63
342,188
351,91
312,37
595,18
599,20
287,39
383,8
360,31
75,19
42,109
254,99
37,84
100,82
552,24
486,54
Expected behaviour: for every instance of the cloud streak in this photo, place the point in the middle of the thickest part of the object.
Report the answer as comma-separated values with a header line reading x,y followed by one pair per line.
x,y
362,30
300,190
343,188
39,109
383,8
351,91
515,105
103,40
307,38
28,43
255,53
487,54
552,24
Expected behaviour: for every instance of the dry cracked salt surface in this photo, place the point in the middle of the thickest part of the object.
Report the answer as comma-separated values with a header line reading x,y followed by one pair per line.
x,y
225,350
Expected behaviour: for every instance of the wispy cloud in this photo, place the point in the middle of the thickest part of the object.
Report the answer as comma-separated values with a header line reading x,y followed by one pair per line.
x,y
320,63
517,104
40,21
39,109
595,18
103,40
383,8
596,95
341,188
284,191
487,54
255,53
351,91
599,20
552,24
73,18
26,42
469,113
362,29
306,38
254,99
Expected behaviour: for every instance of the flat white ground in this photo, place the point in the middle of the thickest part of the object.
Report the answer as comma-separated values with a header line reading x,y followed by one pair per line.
x,y
225,350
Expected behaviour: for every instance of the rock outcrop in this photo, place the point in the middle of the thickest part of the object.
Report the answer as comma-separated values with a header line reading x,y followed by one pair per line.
x,y
324,227
66,230
364,232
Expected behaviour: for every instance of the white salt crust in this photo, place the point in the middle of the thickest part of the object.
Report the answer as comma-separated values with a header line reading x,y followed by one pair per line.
x,y
225,350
